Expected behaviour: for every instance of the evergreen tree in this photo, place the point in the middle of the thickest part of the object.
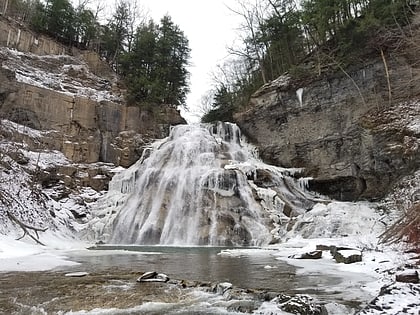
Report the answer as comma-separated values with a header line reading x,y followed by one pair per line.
x,y
85,26
138,67
115,34
172,53
60,17
222,106
39,17
155,69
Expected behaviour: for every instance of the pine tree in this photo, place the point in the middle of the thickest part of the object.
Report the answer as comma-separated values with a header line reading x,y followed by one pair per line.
x,y
155,69
60,16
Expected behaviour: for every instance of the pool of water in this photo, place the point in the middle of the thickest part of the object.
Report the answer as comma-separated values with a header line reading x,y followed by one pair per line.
x,y
255,269
113,270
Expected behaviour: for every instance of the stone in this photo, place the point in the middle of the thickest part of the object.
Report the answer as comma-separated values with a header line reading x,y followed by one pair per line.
x,y
323,247
407,276
301,304
153,276
147,275
222,287
333,249
317,254
77,274
348,256
243,306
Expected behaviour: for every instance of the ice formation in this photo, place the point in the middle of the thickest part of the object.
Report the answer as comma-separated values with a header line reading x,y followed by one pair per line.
x,y
200,186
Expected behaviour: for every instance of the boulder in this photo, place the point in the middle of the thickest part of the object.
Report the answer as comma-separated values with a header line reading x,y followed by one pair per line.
x,y
316,254
408,276
300,304
153,276
348,256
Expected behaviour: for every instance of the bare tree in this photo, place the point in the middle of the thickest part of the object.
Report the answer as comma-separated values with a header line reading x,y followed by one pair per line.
x,y
6,4
254,50
206,102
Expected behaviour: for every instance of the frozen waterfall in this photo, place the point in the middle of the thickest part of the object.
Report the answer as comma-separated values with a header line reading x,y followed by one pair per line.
x,y
202,185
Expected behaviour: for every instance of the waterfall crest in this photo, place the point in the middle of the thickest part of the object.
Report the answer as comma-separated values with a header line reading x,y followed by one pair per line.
x,y
203,185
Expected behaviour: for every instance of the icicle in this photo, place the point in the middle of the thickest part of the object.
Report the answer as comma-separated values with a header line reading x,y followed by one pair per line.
x,y
299,94
304,182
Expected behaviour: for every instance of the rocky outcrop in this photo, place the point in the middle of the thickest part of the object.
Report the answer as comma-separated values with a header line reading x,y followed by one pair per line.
x,y
352,132
17,36
75,96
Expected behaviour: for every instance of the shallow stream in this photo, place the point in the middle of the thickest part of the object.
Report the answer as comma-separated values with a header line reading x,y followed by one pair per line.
x,y
111,288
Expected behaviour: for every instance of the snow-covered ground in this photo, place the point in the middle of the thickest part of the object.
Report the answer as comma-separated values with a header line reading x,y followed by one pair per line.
x,y
356,226
377,269
342,224
21,255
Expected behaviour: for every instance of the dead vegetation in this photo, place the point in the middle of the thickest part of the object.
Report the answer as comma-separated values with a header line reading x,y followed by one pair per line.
x,y
406,229
27,229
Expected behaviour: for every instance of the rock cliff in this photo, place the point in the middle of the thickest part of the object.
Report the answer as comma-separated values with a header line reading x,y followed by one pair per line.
x,y
354,132
75,95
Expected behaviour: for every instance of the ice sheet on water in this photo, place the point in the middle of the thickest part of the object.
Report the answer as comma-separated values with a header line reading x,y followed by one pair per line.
x,y
22,256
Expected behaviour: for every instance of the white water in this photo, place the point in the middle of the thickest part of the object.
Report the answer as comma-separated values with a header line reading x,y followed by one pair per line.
x,y
200,186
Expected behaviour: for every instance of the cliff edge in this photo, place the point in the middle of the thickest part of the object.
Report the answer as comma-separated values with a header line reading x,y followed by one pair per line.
x,y
76,96
355,132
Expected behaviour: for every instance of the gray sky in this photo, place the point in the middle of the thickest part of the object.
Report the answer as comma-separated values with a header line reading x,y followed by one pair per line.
x,y
209,26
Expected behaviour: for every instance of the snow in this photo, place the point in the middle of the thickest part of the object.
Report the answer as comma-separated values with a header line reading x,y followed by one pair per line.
x,y
23,256
349,225
342,224
399,297
349,252
61,73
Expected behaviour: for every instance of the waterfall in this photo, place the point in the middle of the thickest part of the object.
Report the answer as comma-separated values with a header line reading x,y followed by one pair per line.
x,y
202,185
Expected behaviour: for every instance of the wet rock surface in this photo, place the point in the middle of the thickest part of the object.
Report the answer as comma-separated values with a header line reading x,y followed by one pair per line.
x,y
55,292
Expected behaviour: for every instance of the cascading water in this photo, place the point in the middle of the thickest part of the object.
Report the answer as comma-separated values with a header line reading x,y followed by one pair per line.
x,y
200,186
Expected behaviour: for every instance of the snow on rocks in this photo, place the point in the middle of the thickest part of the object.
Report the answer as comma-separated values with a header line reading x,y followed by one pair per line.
x,y
32,188
77,274
408,276
153,276
348,256
61,73
396,299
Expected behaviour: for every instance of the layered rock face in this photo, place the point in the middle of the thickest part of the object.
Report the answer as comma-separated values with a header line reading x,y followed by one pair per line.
x,y
77,97
354,132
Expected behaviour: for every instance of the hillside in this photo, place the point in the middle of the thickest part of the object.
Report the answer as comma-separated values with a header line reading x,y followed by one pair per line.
x,y
355,131
328,226
64,126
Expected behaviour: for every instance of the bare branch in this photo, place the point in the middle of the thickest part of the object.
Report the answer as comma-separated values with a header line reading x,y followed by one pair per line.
x,y
26,228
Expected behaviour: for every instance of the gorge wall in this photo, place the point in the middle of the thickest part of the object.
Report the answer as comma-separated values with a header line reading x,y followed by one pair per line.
x,y
74,94
355,132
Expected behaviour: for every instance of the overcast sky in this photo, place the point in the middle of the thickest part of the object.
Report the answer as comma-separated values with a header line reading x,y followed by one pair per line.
x,y
209,26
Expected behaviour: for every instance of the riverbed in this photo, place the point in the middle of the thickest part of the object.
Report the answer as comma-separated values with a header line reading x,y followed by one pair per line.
x,y
110,287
